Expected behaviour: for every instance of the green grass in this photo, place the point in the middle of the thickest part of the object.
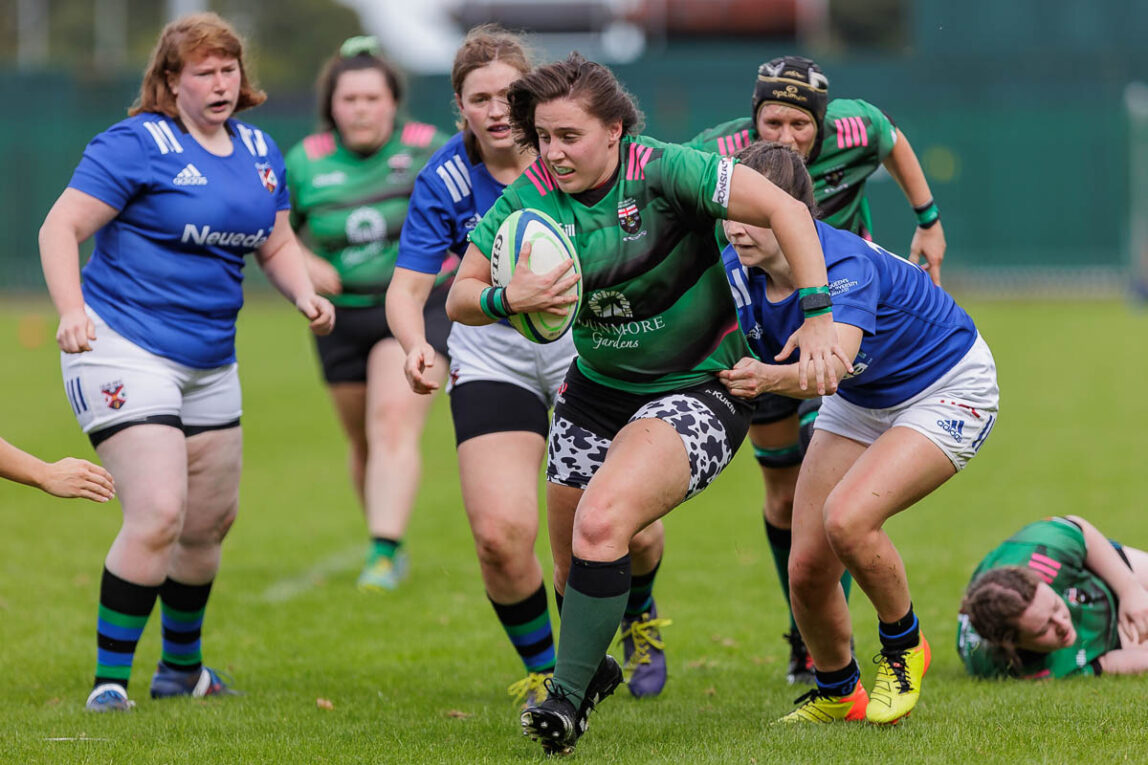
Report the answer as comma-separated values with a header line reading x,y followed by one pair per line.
x,y
420,675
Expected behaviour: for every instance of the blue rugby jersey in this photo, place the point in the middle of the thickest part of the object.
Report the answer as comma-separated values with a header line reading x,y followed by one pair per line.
x,y
914,332
449,198
167,271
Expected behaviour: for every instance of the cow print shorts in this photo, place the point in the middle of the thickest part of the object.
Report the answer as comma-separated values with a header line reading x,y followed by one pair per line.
x,y
711,423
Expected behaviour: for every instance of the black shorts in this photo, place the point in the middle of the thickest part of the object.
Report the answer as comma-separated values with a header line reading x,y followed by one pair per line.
x,y
769,408
711,423
490,406
343,353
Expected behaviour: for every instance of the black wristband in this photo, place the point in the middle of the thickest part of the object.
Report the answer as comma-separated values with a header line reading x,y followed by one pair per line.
x,y
815,302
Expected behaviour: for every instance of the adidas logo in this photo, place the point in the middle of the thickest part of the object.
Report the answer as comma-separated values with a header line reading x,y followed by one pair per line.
x,y
190,176
954,428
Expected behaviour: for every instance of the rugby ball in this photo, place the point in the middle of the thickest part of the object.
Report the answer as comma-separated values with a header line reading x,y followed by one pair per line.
x,y
549,247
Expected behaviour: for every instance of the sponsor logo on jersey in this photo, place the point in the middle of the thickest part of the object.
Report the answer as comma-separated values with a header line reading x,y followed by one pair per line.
x,y
114,395
365,225
205,236
724,176
954,428
190,176
629,218
610,304
472,222
400,163
323,180
841,285
834,178
267,176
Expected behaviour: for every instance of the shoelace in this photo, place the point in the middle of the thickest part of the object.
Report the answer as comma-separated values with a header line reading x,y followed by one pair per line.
x,y
895,660
646,634
521,689
810,697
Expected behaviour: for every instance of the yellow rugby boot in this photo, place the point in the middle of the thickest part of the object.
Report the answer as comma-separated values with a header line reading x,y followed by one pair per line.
x,y
818,707
530,691
898,683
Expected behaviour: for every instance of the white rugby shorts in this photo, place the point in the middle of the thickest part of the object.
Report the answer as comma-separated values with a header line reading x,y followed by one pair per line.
x,y
497,353
118,381
956,413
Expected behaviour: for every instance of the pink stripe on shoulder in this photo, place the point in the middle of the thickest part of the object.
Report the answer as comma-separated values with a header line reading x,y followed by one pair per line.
x,y
417,134
529,173
319,145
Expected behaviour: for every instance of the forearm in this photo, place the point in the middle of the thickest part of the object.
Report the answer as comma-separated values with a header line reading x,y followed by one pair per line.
x,y
60,260
903,165
406,298
286,271
462,303
17,465
782,380
799,244
1102,559
1125,661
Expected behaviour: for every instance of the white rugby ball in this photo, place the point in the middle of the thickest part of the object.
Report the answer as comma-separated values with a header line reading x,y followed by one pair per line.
x,y
549,247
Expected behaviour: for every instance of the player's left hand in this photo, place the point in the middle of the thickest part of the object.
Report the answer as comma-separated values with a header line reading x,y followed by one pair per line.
x,y
818,341
320,312
1133,617
929,242
747,379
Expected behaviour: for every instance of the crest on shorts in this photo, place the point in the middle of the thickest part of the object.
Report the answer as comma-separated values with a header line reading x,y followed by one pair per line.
x,y
267,176
628,216
114,395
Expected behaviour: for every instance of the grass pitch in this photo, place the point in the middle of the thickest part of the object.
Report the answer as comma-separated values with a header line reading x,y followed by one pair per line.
x,y
420,675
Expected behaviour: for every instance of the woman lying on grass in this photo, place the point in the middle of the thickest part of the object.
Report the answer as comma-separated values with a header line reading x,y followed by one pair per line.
x,y
1056,599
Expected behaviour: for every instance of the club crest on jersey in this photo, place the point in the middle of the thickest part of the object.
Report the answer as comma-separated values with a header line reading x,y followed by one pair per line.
x,y
610,305
628,216
400,164
267,176
114,395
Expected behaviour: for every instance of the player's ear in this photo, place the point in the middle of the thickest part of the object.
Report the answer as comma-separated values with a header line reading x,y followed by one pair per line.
x,y
614,132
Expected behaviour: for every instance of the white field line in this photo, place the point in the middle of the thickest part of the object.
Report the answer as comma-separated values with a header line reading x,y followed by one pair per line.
x,y
294,586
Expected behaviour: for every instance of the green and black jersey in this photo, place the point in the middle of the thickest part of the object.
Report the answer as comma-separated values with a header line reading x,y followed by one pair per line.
x,y
350,209
657,313
857,139
1055,549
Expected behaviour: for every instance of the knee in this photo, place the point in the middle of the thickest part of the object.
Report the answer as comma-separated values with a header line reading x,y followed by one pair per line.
x,y
779,507
159,525
390,429
846,529
807,576
501,545
597,532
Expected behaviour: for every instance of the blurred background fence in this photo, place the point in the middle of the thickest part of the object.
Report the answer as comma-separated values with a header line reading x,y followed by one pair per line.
x,y
1023,113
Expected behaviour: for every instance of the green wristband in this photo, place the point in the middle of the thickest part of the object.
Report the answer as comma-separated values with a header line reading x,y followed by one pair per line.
x,y
822,312
927,214
804,291
492,301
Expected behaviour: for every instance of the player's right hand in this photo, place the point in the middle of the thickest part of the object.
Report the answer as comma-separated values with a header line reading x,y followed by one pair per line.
x,y
420,361
541,292
76,331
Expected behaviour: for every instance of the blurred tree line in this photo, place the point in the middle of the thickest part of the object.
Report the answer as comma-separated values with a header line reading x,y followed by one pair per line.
x,y
287,38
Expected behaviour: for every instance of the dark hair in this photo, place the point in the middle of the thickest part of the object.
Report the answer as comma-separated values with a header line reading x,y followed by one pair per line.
x,y
784,167
355,54
200,34
993,603
591,84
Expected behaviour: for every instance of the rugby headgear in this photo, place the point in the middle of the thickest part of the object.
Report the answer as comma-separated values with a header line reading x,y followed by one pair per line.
x,y
793,81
